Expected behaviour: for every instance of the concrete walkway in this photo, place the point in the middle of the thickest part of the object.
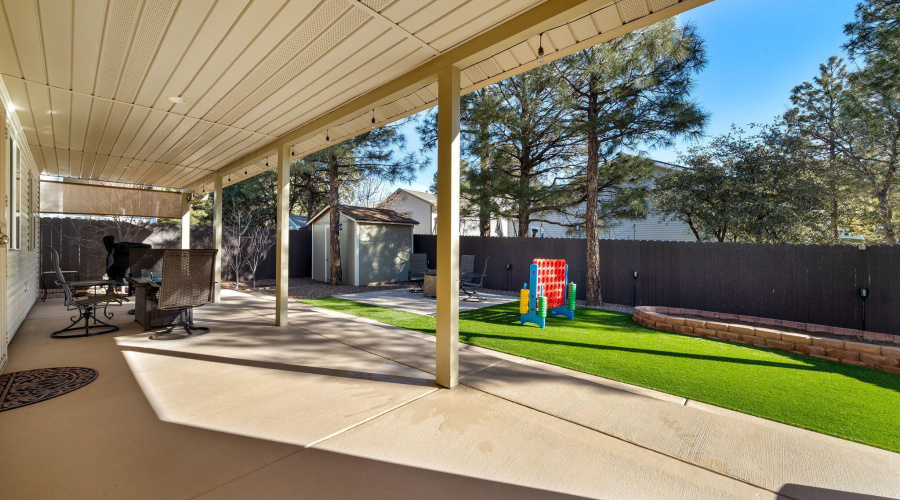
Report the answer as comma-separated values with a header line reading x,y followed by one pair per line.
x,y
402,300
341,407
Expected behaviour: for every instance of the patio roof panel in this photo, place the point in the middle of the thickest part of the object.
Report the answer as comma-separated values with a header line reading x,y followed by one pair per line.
x,y
89,80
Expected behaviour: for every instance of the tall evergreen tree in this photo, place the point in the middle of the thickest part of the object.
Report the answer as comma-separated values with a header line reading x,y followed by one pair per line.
x,y
517,146
629,93
816,116
533,147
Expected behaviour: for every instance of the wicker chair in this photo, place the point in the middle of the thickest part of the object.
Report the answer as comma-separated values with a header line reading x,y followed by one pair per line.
x,y
144,258
188,277
149,258
87,307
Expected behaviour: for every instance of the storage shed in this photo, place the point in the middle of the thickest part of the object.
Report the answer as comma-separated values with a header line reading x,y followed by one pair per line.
x,y
376,244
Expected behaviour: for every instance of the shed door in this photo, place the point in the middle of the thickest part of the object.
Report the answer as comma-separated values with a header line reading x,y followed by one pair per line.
x,y
320,252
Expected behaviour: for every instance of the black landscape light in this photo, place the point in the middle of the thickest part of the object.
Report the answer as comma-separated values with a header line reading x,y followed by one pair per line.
x,y
863,294
634,290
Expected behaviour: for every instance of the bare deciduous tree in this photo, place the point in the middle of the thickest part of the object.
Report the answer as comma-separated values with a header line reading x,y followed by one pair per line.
x,y
259,242
237,222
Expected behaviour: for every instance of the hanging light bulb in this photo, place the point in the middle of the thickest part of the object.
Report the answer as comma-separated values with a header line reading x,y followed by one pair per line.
x,y
373,118
327,138
292,152
267,163
541,48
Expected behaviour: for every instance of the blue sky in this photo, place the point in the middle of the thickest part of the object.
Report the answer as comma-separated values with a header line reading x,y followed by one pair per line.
x,y
758,50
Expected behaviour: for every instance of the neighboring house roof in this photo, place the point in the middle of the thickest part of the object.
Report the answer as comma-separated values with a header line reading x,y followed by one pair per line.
x,y
298,221
429,198
667,166
366,214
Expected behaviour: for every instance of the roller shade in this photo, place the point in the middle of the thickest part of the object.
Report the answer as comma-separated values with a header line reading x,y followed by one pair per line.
x,y
87,199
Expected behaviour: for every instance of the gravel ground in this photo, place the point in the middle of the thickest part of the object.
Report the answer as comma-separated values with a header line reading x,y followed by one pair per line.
x,y
306,288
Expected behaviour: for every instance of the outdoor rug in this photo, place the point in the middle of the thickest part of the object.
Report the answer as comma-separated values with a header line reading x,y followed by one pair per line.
x,y
24,388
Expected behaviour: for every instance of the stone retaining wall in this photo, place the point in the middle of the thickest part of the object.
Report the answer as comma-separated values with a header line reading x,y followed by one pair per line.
x,y
717,326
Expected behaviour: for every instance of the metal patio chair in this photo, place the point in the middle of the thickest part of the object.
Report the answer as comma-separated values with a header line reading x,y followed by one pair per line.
x,y
87,306
188,279
470,285
418,266
466,267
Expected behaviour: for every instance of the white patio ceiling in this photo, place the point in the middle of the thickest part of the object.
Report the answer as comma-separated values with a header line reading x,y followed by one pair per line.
x,y
89,79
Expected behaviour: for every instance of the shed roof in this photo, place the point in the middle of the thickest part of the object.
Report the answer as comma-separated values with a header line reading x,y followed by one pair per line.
x,y
366,214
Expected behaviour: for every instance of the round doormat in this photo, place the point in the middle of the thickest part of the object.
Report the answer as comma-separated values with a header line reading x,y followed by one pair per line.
x,y
19,389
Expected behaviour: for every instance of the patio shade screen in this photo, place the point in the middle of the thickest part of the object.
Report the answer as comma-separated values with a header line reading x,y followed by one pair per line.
x,y
87,199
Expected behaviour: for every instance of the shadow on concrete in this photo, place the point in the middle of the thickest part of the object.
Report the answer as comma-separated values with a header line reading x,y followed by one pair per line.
x,y
331,372
803,492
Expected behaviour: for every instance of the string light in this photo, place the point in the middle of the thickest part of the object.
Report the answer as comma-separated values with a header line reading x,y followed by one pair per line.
x,y
541,47
327,138
373,118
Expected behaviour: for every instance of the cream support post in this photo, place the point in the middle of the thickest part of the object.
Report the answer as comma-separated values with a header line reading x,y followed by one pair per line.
x,y
448,228
282,239
217,238
185,221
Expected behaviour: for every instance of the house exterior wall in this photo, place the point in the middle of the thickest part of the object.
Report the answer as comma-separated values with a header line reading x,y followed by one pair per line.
x,y
414,208
384,251
654,227
23,264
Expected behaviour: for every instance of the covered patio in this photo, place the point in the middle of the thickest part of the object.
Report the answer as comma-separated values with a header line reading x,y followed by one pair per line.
x,y
281,399
333,406
191,97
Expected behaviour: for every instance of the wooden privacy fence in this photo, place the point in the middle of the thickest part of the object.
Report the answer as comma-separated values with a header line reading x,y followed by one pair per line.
x,y
79,242
806,283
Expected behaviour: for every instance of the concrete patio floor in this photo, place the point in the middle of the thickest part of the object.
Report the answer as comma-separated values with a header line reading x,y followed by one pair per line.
x,y
335,406
402,300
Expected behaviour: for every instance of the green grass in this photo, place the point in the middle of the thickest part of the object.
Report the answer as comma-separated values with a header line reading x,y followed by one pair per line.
x,y
850,402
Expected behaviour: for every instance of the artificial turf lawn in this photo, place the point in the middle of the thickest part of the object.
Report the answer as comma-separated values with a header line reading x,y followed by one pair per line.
x,y
851,402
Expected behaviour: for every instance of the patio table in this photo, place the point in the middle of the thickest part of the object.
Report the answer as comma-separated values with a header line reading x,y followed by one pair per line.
x,y
145,311
48,281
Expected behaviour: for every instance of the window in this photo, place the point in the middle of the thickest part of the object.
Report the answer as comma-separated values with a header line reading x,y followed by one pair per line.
x,y
13,199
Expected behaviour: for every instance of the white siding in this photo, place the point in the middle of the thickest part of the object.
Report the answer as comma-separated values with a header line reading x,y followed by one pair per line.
x,y
654,227
22,265
413,207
